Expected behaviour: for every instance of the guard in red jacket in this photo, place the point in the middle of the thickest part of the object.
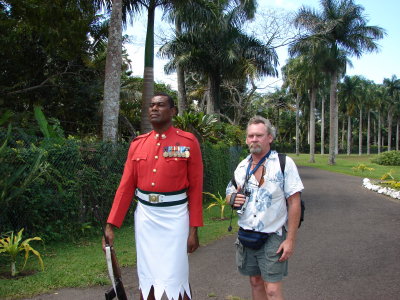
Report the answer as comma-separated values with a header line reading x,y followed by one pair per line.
x,y
164,171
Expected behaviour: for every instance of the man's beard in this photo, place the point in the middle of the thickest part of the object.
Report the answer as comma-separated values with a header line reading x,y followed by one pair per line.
x,y
255,148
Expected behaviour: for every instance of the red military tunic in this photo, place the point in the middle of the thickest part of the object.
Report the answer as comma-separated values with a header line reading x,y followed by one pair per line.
x,y
146,168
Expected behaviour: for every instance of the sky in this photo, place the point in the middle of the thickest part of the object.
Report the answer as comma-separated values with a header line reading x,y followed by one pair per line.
x,y
373,66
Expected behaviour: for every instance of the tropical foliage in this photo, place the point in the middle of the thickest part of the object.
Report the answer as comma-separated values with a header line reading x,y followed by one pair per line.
x,y
11,245
219,202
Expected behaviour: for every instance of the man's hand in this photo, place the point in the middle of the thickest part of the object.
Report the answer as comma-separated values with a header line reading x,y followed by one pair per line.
x,y
193,240
240,199
294,211
287,249
109,233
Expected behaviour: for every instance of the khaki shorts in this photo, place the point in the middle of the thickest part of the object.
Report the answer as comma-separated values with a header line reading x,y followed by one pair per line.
x,y
263,261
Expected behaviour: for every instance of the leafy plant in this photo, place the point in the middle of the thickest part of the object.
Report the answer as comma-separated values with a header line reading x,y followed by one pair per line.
x,y
388,175
200,124
389,158
53,132
362,168
11,245
15,182
219,202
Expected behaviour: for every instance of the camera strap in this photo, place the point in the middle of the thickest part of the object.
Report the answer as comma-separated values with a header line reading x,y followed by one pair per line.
x,y
251,172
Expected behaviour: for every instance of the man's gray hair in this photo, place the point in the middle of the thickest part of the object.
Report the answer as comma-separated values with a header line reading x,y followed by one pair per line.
x,y
261,120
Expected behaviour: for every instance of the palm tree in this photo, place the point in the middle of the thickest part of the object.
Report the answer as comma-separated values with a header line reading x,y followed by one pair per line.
x,y
292,78
312,57
342,26
119,10
379,103
220,50
392,86
370,98
348,93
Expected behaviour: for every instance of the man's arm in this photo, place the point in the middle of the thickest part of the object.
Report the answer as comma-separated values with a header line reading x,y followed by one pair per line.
x,y
193,240
109,234
294,212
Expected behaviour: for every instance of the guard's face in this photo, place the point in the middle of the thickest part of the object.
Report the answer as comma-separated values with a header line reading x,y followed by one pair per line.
x,y
258,140
160,111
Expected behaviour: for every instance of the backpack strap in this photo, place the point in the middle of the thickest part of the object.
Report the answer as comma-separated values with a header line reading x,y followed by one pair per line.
x,y
282,162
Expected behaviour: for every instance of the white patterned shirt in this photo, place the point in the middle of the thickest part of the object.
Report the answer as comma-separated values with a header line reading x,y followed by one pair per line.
x,y
266,208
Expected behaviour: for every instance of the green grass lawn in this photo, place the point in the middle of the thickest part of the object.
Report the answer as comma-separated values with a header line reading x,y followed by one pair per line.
x,y
345,164
82,263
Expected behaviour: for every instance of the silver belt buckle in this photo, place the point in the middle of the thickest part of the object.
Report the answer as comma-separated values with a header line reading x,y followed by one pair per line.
x,y
154,198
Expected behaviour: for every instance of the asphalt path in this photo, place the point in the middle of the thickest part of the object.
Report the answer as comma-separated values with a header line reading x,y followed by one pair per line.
x,y
347,248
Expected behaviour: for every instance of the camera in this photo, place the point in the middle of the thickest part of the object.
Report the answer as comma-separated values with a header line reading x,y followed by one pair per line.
x,y
240,209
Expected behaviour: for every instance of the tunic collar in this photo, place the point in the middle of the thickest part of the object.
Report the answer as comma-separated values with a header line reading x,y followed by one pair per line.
x,y
163,135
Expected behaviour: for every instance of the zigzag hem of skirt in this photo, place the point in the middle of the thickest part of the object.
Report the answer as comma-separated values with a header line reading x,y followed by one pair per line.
x,y
172,291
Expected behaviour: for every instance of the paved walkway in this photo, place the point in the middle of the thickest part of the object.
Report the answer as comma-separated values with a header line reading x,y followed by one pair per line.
x,y
348,248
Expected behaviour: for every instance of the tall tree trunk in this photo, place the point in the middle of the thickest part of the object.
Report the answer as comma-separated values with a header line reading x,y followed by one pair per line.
x,y
336,124
312,124
397,135
211,96
390,119
323,125
343,135
148,75
332,119
379,133
112,81
213,89
182,99
360,134
369,133
348,135
298,124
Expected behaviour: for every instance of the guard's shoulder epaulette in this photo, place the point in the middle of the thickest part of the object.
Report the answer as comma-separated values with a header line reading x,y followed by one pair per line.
x,y
185,134
144,135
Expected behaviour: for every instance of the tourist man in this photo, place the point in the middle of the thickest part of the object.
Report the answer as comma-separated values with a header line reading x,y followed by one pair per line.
x,y
268,225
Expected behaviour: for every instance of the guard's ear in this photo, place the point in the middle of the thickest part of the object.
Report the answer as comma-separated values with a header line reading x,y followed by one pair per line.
x,y
174,111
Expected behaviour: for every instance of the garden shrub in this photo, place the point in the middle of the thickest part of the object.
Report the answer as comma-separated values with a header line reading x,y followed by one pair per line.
x,y
390,158
220,162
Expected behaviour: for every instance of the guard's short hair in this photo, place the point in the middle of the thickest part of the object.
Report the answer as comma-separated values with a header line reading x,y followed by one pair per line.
x,y
261,120
170,100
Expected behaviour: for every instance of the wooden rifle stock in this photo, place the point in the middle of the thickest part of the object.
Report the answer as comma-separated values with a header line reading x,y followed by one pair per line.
x,y
119,286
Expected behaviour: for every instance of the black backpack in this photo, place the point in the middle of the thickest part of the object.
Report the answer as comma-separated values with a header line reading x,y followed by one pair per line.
x,y
282,162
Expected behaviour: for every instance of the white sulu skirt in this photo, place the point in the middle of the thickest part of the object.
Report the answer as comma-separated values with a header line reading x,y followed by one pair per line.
x,y
161,235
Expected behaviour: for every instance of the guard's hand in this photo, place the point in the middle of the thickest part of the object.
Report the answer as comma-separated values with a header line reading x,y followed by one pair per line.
x,y
193,240
109,233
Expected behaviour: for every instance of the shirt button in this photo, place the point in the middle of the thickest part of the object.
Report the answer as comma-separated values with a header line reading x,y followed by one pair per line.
x,y
154,170
156,157
153,184
158,144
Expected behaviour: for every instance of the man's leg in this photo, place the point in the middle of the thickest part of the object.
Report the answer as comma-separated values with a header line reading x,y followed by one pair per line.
x,y
151,295
274,290
257,288
185,297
